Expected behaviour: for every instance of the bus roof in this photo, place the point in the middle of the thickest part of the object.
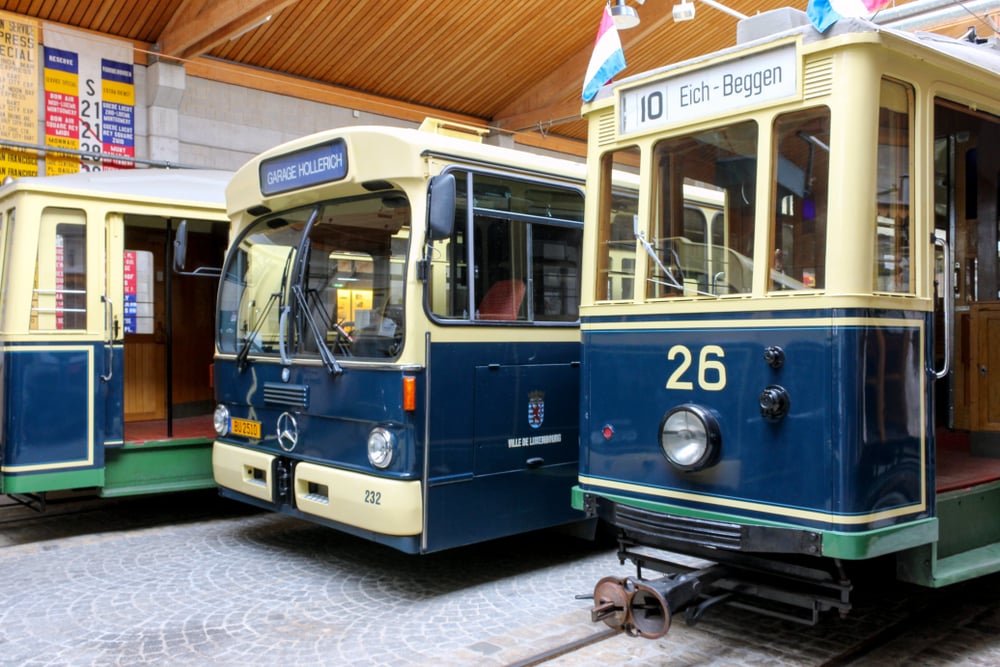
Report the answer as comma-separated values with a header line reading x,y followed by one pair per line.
x,y
196,186
387,153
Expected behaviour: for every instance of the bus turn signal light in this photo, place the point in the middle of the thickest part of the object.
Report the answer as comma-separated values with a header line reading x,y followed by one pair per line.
x,y
409,394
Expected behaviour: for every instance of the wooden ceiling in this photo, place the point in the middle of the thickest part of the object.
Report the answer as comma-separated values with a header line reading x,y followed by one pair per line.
x,y
514,66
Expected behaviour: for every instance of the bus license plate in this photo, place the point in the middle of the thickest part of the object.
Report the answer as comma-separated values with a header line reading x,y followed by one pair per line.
x,y
245,427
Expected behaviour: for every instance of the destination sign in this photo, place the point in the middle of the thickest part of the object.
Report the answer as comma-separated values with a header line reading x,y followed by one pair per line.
x,y
323,163
723,88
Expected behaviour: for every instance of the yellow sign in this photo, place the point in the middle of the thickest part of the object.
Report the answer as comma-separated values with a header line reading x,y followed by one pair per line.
x,y
19,92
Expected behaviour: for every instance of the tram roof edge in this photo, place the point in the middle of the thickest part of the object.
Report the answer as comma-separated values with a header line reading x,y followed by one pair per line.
x,y
206,186
785,22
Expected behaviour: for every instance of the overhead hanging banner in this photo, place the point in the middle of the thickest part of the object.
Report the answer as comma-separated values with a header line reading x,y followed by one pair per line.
x,y
90,91
19,93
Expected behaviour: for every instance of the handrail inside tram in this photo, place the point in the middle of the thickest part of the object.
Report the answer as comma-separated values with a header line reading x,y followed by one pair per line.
x,y
948,301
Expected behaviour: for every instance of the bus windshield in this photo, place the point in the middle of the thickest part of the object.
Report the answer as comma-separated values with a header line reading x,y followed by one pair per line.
x,y
323,281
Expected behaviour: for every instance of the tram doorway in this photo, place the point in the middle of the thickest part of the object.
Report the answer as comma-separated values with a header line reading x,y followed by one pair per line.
x,y
966,190
168,328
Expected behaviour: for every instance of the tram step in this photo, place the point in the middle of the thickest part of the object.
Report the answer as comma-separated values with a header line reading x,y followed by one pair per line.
x,y
922,566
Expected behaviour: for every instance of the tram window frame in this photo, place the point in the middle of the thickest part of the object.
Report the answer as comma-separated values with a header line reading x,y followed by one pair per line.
x,y
526,242
800,187
616,248
893,225
720,160
6,239
61,256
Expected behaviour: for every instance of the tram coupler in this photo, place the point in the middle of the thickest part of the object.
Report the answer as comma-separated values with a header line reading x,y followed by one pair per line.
x,y
644,608
612,599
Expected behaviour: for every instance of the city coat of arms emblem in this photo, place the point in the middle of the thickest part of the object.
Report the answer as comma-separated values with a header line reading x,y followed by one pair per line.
x,y
536,408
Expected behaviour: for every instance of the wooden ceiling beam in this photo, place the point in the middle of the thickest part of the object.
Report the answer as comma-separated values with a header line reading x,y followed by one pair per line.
x,y
200,25
546,102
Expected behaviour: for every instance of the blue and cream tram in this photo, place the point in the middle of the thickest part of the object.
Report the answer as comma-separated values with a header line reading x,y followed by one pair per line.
x,y
107,353
398,336
812,387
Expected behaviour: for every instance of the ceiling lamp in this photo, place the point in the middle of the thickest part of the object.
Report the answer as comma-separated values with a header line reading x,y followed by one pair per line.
x,y
625,17
685,10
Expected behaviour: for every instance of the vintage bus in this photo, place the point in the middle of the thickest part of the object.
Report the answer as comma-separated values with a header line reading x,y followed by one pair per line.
x,y
398,340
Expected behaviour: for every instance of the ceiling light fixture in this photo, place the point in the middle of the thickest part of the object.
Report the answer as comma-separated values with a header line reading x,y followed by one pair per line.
x,y
250,27
685,10
625,17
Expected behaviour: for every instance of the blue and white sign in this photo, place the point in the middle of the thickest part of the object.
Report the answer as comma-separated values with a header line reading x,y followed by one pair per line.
x,y
310,166
730,86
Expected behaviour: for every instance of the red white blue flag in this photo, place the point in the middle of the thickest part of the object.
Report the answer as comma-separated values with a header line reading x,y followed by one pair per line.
x,y
607,59
824,13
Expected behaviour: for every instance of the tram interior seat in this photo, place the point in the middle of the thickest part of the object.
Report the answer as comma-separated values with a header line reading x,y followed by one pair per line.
x,y
502,301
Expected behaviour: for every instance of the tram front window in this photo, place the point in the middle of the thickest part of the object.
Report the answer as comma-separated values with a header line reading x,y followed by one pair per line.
x,y
339,290
715,171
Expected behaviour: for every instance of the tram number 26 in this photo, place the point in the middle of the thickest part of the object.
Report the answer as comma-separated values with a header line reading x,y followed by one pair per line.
x,y
710,372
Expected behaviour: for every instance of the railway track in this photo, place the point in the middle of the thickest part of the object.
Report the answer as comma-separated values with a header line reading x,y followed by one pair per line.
x,y
566,649
908,626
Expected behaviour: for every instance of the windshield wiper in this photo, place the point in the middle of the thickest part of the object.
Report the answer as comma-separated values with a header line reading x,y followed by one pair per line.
x,y
242,360
332,367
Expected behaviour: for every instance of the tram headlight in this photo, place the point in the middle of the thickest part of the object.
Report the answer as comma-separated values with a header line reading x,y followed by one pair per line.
x,y
381,447
221,420
690,437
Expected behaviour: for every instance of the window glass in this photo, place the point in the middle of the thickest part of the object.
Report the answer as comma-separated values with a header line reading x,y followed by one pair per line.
x,y
616,244
892,228
59,294
6,238
339,288
522,241
138,292
800,181
705,178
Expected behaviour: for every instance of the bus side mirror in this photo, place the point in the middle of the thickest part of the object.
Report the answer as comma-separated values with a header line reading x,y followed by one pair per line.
x,y
180,246
180,256
441,207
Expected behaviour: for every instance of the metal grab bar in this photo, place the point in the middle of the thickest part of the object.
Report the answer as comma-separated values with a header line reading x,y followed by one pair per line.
x,y
109,350
948,298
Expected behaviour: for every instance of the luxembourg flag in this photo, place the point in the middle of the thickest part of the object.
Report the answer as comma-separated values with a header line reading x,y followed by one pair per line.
x,y
607,59
824,13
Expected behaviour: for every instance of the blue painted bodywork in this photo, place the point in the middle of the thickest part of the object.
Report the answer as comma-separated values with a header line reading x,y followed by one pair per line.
x,y
491,471
853,453
47,424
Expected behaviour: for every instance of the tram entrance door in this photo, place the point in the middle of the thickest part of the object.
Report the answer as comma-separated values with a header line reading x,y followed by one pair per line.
x,y
167,330
967,185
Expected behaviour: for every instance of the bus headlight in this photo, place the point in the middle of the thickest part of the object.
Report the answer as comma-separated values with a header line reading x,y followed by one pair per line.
x,y
690,437
381,447
221,420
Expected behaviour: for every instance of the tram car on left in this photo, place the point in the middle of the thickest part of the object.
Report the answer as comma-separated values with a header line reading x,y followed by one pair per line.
x,y
106,352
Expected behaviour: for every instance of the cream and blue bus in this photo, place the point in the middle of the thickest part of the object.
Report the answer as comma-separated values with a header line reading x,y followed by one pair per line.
x,y
398,346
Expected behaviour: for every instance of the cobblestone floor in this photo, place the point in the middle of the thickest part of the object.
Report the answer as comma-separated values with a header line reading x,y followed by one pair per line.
x,y
238,588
